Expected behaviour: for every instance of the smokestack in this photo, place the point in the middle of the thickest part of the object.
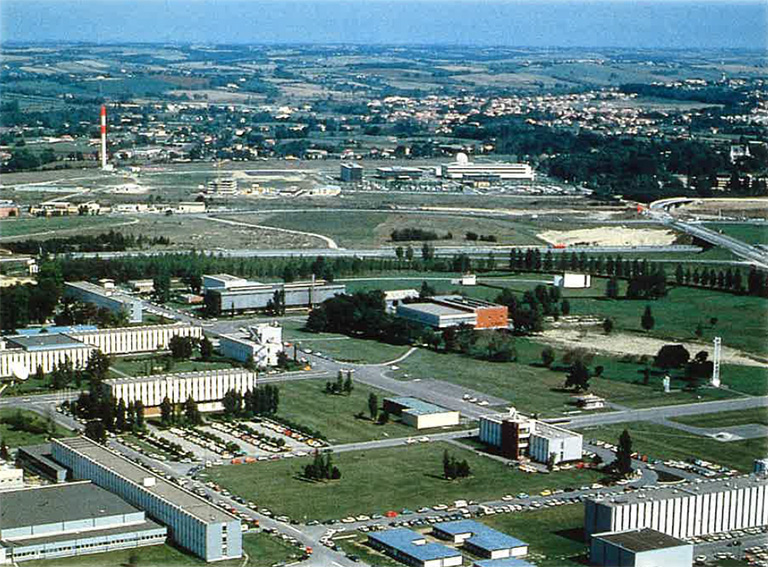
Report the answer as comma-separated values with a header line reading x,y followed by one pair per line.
x,y
103,137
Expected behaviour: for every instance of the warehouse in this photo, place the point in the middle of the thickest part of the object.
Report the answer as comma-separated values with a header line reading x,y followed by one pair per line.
x,y
517,436
193,523
687,510
261,346
411,548
66,520
105,296
443,311
249,296
207,388
479,539
639,548
420,414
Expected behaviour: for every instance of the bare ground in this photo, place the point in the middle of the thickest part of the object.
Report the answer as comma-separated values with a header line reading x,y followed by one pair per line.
x,y
610,236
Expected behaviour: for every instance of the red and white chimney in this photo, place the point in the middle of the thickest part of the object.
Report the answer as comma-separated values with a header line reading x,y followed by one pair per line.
x,y
103,137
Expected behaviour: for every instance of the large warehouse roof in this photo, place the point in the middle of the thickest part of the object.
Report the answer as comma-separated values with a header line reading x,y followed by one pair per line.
x,y
641,540
483,536
403,540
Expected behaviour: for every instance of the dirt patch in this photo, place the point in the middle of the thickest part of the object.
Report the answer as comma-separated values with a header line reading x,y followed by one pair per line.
x,y
733,208
624,343
610,236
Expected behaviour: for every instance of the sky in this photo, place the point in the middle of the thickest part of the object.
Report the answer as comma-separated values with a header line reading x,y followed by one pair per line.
x,y
675,24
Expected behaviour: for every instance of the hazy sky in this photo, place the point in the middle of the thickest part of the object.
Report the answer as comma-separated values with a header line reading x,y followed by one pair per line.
x,y
537,23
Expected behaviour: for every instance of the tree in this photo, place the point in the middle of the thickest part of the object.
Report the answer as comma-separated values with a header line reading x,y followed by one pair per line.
x,y
647,321
4,455
547,356
348,386
551,462
565,307
191,412
166,411
578,376
95,430
162,287
623,463
426,290
120,416
383,417
607,325
206,349
139,408
612,288
97,365
672,356
373,405
181,347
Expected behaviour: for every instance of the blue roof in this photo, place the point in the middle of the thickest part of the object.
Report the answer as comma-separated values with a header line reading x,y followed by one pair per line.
x,y
55,329
417,406
482,536
506,562
402,540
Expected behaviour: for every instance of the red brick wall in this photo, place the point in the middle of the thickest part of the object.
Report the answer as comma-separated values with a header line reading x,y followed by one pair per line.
x,y
492,317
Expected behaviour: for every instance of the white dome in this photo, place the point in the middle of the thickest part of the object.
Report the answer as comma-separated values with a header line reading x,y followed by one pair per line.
x,y
462,159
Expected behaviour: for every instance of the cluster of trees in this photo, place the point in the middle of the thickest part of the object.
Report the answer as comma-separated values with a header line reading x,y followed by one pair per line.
x,y
407,234
454,468
528,313
18,421
677,357
23,159
380,417
111,241
341,386
321,468
185,414
473,236
182,347
263,400
622,465
730,279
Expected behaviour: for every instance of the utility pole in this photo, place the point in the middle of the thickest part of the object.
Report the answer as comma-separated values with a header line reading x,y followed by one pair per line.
x,y
716,363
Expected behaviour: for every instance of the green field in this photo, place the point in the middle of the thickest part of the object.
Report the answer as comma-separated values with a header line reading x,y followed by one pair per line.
x,y
749,233
305,402
374,481
263,550
726,418
555,535
660,442
357,546
18,437
55,225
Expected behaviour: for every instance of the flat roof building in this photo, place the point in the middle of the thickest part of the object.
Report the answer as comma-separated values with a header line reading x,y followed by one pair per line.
x,y
479,539
193,523
639,548
66,520
420,414
37,460
444,311
399,173
105,297
462,168
262,345
685,510
412,548
351,172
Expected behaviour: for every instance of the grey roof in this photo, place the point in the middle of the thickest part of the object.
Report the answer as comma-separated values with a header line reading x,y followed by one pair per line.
x,y
483,536
402,540
174,376
41,453
435,309
46,341
685,490
172,493
146,526
416,406
641,540
58,503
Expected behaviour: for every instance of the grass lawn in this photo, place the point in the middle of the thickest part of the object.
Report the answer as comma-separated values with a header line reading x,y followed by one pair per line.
x,y
137,366
375,481
357,546
305,402
555,535
660,442
262,549
726,418
749,233
23,226
19,437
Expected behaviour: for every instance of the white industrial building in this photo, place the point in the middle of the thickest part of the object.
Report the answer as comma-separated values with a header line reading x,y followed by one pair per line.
x,y
412,548
207,388
639,548
516,436
684,511
262,345
572,281
20,355
106,296
420,414
462,168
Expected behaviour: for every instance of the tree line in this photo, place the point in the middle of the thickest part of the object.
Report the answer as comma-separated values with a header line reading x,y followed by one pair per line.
x,y
111,241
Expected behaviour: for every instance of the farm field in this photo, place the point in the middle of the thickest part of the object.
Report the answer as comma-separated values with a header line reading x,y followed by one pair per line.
x,y
661,442
374,481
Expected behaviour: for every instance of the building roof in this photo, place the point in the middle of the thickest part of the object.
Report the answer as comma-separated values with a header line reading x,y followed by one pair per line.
x,y
483,536
552,432
435,309
225,277
402,540
417,406
461,302
41,453
641,540
55,329
175,376
506,562
46,341
58,503
171,493
685,490
395,294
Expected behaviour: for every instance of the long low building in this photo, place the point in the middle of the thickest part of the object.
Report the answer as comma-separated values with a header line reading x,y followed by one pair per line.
x,y
207,388
21,355
412,548
229,294
68,520
107,297
481,540
684,511
420,414
516,436
464,169
443,311
193,523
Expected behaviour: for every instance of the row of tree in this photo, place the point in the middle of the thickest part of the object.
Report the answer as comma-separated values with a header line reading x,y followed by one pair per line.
x,y
111,241
263,400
